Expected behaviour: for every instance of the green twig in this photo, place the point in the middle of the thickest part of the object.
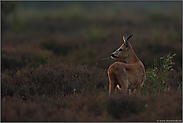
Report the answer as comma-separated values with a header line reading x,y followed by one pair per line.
x,y
105,58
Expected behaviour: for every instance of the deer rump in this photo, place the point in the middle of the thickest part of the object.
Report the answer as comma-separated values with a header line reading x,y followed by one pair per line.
x,y
121,78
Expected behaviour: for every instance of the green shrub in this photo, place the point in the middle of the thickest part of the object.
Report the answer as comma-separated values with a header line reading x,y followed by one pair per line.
x,y
156,77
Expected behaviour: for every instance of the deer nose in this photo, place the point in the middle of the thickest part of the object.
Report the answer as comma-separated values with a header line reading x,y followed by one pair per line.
x,y
113,55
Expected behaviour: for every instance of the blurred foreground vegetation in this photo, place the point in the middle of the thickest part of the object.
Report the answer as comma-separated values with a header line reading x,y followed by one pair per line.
x,y
52,67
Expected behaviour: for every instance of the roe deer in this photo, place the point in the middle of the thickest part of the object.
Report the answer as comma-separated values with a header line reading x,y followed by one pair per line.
x,y
126,76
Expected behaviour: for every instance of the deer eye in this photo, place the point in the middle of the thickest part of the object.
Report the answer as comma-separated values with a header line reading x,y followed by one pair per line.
x,y
120,49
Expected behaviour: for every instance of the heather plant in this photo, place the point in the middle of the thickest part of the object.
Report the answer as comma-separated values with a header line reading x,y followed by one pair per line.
x,y
94,107
52,81
78,93
156,77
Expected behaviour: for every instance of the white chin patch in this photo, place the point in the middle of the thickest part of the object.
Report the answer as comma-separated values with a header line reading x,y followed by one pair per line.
x,y
113,57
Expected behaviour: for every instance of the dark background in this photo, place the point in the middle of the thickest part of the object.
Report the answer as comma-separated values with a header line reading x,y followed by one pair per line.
x,y
90,31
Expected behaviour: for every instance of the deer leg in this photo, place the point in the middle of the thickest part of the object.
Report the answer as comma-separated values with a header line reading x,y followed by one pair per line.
x,y
138,89
131,90
112,84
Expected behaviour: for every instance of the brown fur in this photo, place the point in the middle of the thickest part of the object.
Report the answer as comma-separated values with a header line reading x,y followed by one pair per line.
x,y
126,76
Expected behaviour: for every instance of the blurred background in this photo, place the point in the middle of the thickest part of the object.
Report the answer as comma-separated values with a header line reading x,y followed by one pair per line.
x,y
35,33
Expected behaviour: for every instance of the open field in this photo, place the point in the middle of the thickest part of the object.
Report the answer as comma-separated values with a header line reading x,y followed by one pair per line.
x,y
54,61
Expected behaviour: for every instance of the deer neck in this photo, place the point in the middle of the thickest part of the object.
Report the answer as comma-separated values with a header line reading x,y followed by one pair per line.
x,y
132,58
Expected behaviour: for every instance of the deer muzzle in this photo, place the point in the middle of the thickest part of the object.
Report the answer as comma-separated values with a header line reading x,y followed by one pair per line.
x,y
113,56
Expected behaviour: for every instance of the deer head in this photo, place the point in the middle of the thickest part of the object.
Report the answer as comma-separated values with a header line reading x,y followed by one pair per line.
x,y
123,51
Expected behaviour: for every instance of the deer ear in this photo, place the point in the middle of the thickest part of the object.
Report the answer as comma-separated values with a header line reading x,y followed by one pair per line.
x,y
129,36
127,45
124,39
